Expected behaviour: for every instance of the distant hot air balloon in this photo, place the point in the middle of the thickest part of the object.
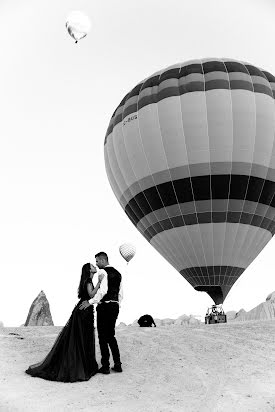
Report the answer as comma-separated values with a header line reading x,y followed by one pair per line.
x,y
190,156
127,251
78,25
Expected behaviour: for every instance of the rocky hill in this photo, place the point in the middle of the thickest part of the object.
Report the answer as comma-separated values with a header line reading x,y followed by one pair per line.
x,y
264,311
183,320
39,313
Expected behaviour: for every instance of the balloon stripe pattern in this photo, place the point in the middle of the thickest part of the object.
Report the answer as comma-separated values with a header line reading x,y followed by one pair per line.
x,y
190,155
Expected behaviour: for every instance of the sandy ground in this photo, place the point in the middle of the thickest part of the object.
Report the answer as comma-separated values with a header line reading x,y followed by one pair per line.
x,y
223,367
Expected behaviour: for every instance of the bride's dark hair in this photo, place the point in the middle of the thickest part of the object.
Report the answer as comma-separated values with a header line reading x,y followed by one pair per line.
x,y
83,280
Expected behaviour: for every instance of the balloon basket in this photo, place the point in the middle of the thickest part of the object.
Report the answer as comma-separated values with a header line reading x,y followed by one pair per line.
x,y
215,314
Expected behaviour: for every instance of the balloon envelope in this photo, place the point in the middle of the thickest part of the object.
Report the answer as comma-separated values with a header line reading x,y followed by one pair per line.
x,y
78,25
127,251
190,156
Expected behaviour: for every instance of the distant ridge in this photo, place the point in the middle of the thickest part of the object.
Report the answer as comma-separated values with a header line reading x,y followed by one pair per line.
x,y
264,311
183,320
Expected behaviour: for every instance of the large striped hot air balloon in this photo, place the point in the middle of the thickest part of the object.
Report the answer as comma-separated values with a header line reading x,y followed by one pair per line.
x,y
190,156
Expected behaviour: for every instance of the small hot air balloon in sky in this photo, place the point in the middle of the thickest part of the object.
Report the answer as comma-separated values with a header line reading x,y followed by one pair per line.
x,y
190,155
78,25
127,251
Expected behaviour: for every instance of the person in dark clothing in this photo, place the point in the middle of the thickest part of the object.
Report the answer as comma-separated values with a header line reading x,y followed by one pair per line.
x,y
146,321
72,357
108,298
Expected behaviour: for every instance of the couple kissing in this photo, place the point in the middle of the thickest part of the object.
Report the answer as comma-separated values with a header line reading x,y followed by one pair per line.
x,y
72,357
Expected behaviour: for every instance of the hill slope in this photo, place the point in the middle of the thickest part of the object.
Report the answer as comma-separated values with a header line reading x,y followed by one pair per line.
x,y
264,311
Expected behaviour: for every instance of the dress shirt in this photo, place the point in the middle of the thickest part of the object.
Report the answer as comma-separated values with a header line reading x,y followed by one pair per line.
x,y
103,289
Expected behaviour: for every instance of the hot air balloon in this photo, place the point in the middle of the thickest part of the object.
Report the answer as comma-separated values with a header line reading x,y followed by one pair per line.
x,y
127,251
78,25
190,156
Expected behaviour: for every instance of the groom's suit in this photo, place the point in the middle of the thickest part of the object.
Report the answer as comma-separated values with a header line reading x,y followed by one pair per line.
x,y
108,298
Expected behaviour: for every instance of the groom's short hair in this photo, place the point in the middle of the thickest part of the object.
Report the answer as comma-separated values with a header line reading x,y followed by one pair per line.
x,y
101,255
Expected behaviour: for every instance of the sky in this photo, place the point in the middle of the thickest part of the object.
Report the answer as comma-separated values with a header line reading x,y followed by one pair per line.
x,y
56,99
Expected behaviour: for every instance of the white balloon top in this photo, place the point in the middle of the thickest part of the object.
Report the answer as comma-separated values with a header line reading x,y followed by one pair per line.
x,y
78,25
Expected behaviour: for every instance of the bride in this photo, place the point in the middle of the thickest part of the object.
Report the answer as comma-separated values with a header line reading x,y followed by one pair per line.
x,y
72,357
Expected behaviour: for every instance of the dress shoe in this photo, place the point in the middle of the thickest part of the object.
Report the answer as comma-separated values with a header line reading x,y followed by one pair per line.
x,y
117,368
104,370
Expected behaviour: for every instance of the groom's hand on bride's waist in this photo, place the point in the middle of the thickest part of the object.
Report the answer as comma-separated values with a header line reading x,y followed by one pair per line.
x,y
84,305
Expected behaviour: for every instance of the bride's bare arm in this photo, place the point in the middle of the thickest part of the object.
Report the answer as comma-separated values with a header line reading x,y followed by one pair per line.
x,y
92,291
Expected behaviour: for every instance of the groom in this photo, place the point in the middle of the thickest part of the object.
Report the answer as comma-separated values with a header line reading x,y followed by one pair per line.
x,y
108,298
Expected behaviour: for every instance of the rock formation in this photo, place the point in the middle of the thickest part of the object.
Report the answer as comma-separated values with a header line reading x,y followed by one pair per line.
x,y
39,313
231,315
167,322
241,313
135,323
122,325
264,311
183,320
193,321
186,320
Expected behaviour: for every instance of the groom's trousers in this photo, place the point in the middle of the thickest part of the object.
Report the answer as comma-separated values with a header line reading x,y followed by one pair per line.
x,y
107,314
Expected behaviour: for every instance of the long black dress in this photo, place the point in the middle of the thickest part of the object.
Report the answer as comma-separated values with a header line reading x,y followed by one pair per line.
x,y
72,357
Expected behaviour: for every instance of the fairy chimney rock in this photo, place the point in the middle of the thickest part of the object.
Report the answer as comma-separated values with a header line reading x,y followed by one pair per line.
x,y
39,313
264,311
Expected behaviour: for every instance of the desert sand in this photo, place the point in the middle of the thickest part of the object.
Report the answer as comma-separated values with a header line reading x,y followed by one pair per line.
x,y
223,367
